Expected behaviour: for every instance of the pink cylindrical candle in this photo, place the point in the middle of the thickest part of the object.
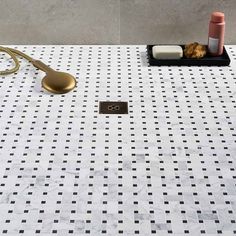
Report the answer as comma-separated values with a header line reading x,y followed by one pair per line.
x,y
216,33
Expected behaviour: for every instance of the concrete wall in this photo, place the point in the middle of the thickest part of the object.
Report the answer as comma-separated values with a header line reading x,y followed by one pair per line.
x,y
111,21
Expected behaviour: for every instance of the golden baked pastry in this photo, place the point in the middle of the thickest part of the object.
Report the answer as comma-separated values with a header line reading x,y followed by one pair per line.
x,y
195,50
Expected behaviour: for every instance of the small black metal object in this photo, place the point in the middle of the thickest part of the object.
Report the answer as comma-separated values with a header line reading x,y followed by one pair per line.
x,y
208,60
113,107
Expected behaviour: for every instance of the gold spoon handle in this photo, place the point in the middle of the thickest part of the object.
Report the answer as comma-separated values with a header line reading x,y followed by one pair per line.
x,y
12,55
11,51
41,66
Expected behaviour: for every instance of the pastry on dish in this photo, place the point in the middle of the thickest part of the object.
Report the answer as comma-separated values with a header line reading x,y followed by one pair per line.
x,y
195,50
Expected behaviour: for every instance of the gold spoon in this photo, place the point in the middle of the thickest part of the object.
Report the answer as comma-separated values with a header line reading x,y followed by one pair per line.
x,y
54,81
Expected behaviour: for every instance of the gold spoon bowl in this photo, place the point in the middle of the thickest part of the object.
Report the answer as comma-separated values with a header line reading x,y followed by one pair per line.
x,y
58,82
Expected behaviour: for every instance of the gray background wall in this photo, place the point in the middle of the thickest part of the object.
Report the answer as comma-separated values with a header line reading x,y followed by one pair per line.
x,y
111,21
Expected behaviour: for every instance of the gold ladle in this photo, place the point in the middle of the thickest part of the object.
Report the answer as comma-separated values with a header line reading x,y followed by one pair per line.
x,y
54,81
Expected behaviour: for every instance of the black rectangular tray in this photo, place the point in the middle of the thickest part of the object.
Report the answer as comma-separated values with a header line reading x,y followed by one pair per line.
x,y
208,60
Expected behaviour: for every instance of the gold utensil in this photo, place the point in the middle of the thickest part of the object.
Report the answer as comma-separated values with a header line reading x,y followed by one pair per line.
x,y
54,81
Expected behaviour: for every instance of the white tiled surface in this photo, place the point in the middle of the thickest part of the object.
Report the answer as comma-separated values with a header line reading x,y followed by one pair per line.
x,y
166,168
